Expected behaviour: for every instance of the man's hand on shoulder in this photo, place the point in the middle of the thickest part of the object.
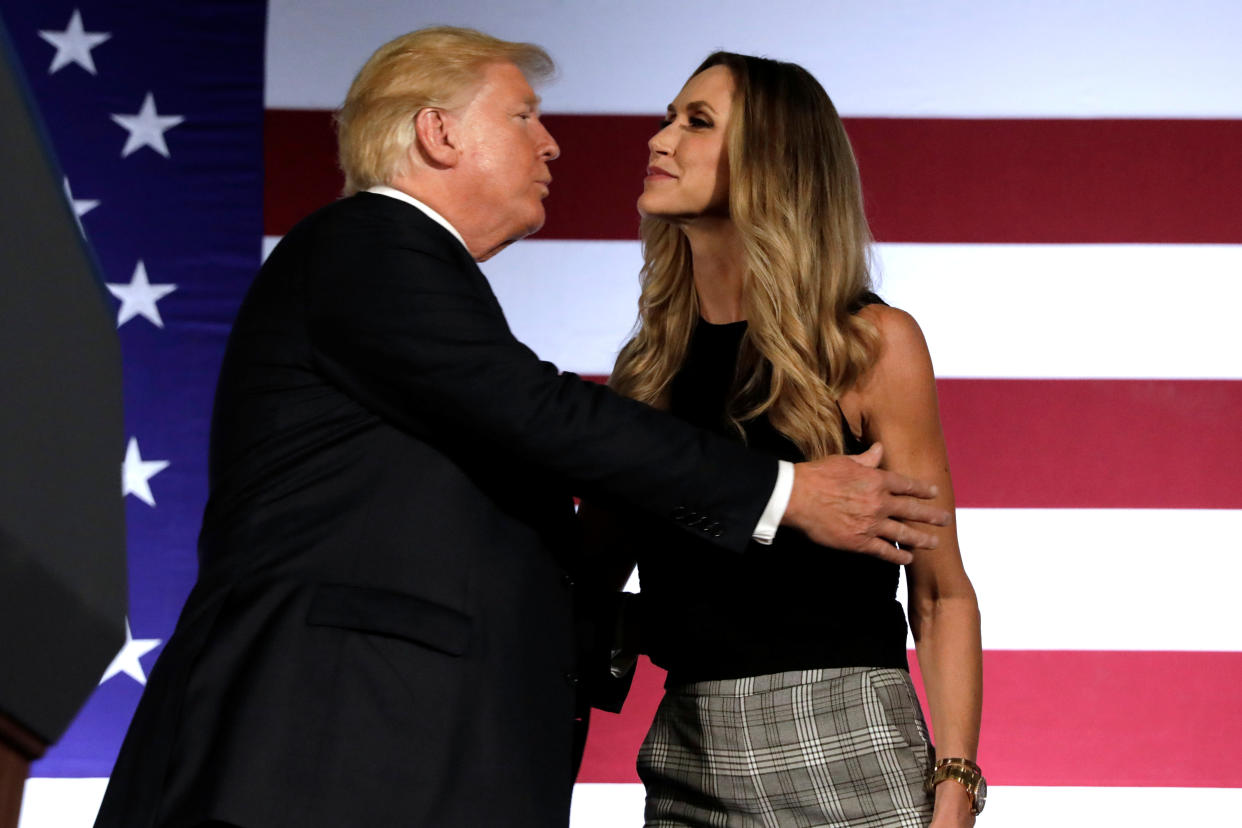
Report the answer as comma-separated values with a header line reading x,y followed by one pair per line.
x,y
848,502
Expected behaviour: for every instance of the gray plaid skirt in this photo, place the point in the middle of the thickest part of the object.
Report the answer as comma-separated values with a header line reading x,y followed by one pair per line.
x,y
832,747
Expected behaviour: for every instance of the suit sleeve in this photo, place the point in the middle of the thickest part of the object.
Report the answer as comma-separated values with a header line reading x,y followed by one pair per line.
x,y
422,341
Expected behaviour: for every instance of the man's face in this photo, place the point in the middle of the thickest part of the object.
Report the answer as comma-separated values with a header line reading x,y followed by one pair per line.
x,y
505,150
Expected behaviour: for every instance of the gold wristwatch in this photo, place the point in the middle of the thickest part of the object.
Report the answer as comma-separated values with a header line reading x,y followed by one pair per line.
x,y
967,774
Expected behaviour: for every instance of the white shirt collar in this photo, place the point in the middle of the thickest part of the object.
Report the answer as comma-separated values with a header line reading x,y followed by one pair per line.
x,y
392,192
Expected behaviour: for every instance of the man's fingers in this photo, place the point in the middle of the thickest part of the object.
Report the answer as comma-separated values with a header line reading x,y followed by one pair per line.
x,y
902,485
907,536
870,458
887,552
907,508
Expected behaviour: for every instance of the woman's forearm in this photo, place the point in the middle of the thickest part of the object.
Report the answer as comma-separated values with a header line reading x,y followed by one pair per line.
x,y
946,635
948,647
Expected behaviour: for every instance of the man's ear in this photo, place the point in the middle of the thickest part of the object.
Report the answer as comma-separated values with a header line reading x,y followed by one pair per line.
x,y
435,137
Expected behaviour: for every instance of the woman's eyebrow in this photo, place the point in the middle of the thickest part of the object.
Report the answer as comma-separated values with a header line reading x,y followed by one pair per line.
x,y
694,105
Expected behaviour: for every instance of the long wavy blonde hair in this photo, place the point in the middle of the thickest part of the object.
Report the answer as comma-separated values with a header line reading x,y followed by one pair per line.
x,y
796,200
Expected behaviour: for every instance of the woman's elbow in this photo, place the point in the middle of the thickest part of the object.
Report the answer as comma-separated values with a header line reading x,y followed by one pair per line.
x,y
959,607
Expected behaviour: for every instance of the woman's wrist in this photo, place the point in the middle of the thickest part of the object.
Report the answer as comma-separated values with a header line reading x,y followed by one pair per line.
x,y
953,802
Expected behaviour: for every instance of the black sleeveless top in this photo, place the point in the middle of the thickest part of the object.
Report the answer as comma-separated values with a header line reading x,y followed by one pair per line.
x,y
709,614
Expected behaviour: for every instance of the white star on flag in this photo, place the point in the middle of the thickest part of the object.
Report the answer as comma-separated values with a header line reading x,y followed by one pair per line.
x,y
81,206
126,661
73,45
138,298
147,128
136,473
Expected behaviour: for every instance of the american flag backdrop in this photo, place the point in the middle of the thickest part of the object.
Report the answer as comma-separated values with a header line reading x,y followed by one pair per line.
x,y
1056,191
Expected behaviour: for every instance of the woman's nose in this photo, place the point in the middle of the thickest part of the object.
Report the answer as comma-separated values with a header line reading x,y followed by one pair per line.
x,y
662,142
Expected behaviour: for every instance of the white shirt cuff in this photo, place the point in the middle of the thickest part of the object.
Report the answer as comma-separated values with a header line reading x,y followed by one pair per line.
x,y
771,518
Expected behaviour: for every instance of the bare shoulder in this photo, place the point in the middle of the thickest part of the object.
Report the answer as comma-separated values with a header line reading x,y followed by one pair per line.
x,y
903,356
897,397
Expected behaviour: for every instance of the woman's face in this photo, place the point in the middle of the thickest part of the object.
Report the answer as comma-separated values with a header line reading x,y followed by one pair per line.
x,y
688,169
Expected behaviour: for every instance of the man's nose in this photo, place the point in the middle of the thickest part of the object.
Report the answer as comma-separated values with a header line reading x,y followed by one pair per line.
x,y
549,150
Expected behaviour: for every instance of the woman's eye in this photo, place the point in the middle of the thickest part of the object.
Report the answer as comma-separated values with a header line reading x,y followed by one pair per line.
x,y
700,122
664,122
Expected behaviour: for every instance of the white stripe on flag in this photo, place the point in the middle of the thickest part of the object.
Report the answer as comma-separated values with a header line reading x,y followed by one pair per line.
x,y
1000,311
1093,579
996,311
621,806
1071,311
73,803
61,803
1082,579
1059,58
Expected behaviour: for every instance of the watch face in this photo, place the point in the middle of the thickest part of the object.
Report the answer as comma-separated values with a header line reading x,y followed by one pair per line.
x,y
981,795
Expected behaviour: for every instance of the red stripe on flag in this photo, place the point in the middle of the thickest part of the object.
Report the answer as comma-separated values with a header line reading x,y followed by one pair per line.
x,y
926,180
1051,181
1142,719
300,172
1093,444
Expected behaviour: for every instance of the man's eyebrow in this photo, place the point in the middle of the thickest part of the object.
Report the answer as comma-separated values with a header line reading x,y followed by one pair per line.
x,y
533,101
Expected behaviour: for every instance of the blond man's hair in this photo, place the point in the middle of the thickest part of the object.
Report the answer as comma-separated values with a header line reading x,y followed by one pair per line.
x,y
439,67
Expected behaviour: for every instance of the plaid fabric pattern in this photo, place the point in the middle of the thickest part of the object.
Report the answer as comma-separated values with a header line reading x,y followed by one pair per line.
x,y
831,747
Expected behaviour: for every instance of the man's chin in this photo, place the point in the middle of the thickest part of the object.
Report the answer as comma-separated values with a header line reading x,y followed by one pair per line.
x,y
531,228
487,254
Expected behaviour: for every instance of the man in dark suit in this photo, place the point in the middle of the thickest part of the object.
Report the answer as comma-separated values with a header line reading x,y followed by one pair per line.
x,y
381,633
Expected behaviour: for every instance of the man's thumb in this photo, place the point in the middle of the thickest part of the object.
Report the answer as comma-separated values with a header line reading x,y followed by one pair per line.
x,y
871,457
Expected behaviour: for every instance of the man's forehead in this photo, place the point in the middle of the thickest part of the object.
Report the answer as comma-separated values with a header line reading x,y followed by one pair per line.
x,y
505,80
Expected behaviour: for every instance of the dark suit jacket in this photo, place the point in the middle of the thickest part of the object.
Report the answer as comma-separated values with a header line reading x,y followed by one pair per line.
x,y
381,632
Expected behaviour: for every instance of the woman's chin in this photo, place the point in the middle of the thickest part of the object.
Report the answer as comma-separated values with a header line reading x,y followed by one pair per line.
x,y
652,208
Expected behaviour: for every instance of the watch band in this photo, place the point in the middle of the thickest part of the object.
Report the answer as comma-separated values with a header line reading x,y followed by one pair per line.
x,y
967,774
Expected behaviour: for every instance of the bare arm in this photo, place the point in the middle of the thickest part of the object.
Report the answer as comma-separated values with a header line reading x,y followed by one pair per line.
x,y
849,503
898,406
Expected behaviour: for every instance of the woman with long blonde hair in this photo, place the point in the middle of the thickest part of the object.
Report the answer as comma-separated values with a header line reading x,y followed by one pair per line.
x,y
788,699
